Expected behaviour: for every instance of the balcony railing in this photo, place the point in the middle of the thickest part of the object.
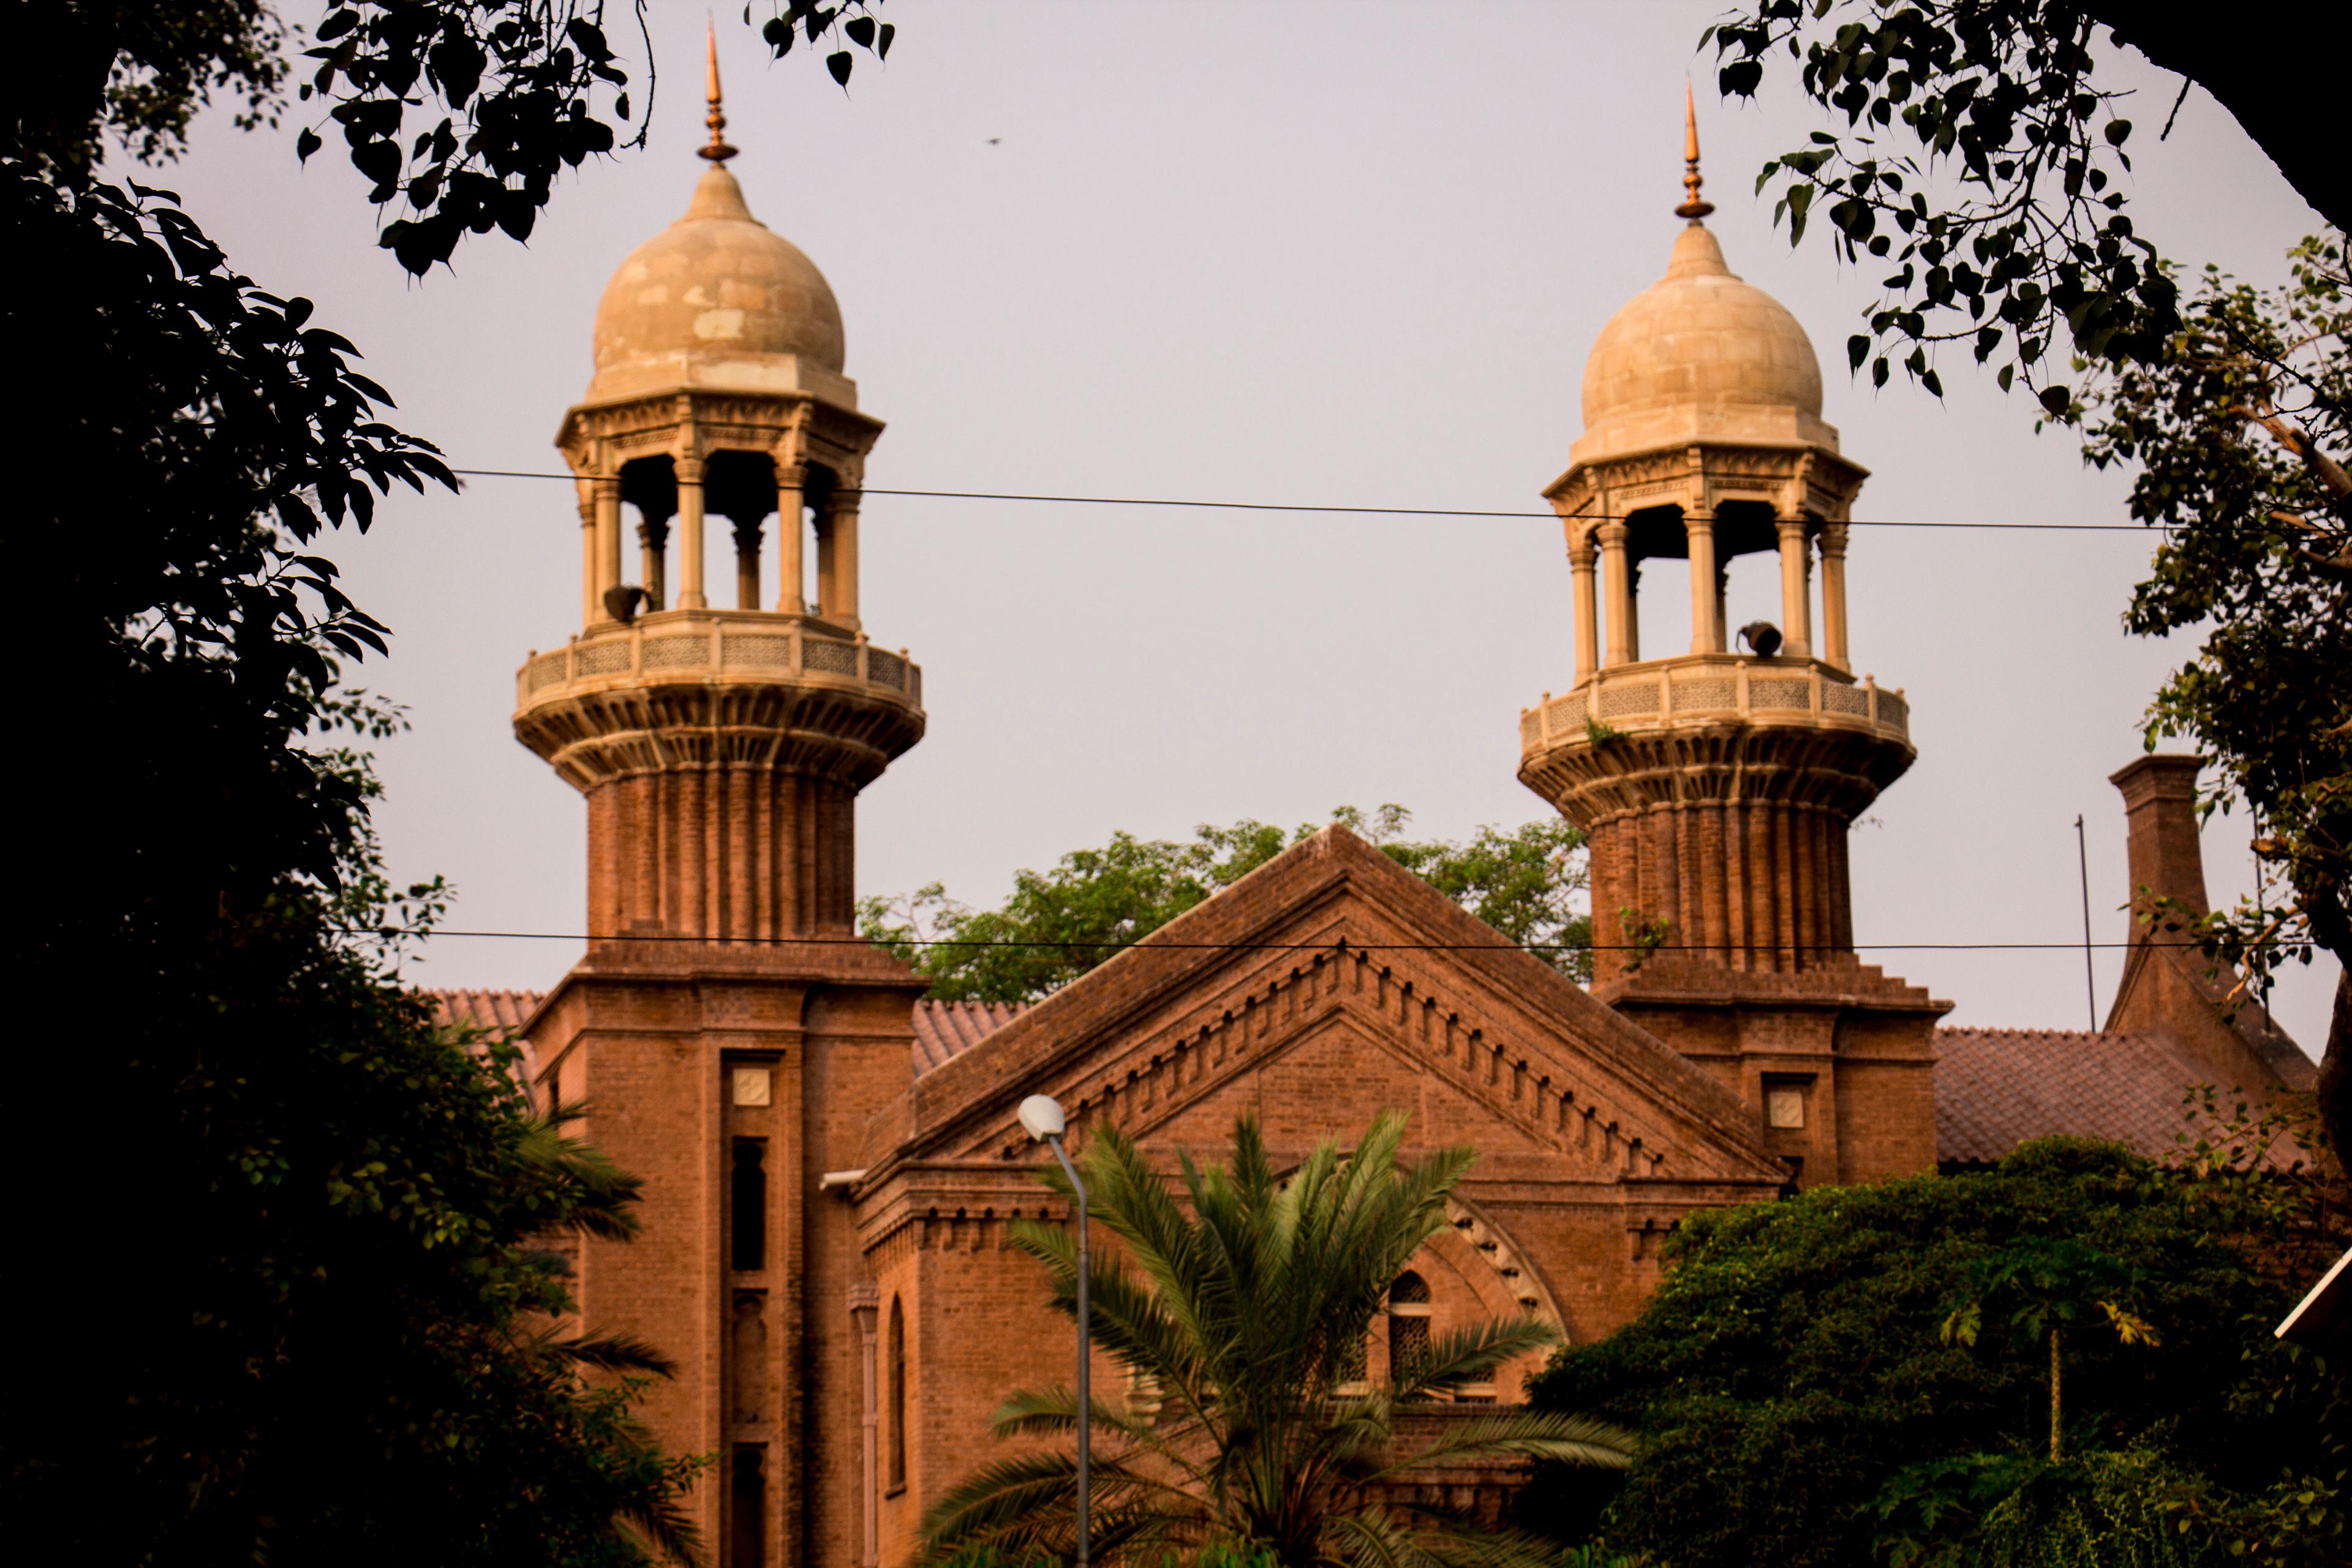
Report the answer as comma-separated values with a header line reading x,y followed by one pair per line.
x,y
716,646
1716,688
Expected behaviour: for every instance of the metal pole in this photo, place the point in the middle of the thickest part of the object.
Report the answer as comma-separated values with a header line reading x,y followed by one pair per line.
x,y
2090,981
1086,1350
2262,916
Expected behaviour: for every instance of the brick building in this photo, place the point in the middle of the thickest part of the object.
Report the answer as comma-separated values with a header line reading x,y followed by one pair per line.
x,y
831,1162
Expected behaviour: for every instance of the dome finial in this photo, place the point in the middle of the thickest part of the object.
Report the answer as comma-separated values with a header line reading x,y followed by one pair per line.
x,y
1693,206
719,152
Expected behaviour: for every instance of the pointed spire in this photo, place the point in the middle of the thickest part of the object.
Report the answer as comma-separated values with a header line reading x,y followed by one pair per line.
x,y
719,152
1693,206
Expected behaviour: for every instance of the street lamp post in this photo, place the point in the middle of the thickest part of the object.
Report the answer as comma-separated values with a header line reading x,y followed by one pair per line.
x,y
1041,1118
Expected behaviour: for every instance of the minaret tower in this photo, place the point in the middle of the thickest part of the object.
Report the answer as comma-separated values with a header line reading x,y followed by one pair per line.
x,y
728,1032
1718,786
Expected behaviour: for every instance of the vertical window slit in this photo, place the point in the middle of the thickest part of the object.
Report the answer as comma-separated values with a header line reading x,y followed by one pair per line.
x,y
748,1198
898,1394
747,1529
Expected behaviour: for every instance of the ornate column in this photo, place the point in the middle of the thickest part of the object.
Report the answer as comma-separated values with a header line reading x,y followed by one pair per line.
x,y
1581,557
1619,582
653,542
865,1306
608,541
837,564
1833,644
747,563
792,530
1706,619
591,605
1796,591
689,534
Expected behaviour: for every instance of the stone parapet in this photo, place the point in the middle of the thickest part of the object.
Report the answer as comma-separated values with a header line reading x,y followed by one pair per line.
x,y
704,687
1715,688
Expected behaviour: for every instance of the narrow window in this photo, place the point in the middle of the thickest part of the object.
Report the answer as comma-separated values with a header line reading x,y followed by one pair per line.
x,y
898,1394
748,1529
749,1199
1407,1326
1348,1368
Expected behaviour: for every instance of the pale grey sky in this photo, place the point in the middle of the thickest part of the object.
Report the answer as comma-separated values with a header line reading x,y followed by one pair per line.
x,y
1285,251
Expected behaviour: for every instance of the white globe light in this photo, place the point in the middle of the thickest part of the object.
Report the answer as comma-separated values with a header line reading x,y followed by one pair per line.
x,y
1041,1116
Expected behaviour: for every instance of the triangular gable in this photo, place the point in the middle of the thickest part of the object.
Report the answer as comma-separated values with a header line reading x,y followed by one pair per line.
x,y
1334,939
2171,991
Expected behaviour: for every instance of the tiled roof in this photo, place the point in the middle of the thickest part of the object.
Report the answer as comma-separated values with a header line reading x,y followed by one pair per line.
x,y
943,1029
500,1012
1997,1087
485,1009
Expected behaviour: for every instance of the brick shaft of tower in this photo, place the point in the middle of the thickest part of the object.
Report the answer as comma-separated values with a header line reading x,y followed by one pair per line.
x,y
738,854
722,782
1716,836
1748,884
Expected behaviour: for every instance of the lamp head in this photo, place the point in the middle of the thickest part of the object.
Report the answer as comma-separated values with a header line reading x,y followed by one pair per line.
x,y
1041,1116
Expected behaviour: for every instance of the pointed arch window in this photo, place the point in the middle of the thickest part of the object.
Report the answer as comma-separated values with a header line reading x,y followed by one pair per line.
x,y
1408,1325
897,1352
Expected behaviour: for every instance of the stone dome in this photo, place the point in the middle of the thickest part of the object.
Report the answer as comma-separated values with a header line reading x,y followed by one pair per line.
x,y
718,301
1700,356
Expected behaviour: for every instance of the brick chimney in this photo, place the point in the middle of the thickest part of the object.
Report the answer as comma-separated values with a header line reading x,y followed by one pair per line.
x,y
2160,814
2170,991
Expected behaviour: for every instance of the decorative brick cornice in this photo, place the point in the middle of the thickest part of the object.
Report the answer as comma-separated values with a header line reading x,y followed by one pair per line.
x,y
1794,480
1161,1028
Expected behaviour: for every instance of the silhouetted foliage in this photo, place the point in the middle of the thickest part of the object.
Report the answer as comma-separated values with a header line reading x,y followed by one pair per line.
x,y
1982,152
2239,435
320,1325
291,1270
461,114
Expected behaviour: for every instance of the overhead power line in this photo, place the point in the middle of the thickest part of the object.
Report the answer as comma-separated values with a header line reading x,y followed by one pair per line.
x,y
1365,510
1316,946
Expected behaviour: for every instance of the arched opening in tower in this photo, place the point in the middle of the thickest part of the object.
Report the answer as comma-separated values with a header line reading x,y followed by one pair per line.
x,y
742,487
649,485
1748,543
1657,551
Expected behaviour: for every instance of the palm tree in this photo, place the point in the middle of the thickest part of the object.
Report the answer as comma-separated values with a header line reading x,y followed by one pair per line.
x,y
1243,1309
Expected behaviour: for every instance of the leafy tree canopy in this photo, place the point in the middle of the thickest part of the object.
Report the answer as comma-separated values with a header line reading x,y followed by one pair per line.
x,y
1060,923
461,114
2237,439
1801,1398
324,1329
1983,152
